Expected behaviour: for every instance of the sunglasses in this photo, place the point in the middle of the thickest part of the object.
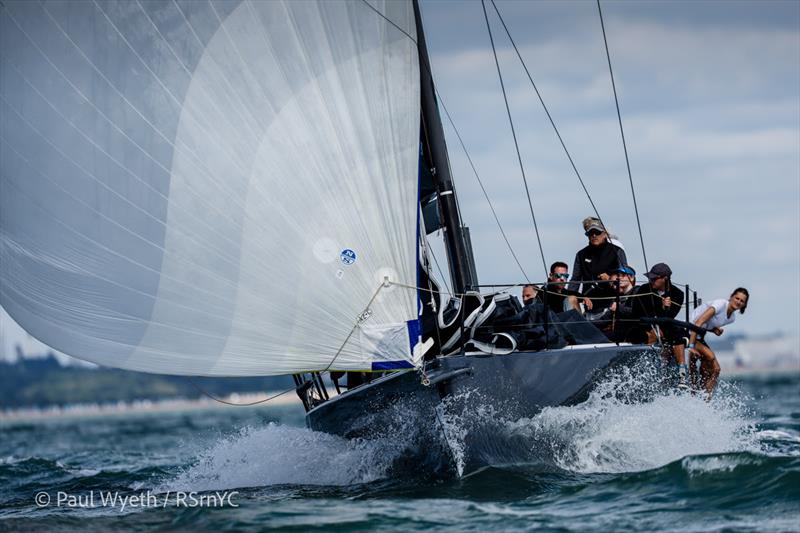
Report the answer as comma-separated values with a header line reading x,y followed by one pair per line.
x,y
593,233
561,276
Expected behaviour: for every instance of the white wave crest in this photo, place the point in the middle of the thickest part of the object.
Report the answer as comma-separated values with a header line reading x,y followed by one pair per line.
x,y
277,455
631,422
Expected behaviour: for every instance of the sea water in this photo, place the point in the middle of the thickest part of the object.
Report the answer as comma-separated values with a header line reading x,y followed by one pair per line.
x,y
673,462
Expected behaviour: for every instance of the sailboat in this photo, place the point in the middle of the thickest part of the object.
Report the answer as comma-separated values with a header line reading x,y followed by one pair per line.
x,y
244,189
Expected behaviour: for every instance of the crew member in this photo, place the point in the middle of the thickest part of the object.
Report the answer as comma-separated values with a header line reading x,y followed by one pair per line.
x,y
529,293
711,316
624,281
555,293
595,262
659,298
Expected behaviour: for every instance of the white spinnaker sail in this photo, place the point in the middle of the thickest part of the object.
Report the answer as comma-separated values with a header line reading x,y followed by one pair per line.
x,y
210,188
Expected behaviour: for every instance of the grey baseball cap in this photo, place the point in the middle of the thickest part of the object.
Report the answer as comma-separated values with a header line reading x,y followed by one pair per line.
x,y
659,270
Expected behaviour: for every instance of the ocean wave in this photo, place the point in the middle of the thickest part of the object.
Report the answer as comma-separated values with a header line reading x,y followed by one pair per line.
x,y
282,455
630,423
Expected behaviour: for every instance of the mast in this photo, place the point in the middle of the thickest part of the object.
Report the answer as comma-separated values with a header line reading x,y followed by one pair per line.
x,y
459,249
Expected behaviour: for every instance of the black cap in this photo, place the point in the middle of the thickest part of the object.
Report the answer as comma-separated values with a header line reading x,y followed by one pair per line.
x,y
659,270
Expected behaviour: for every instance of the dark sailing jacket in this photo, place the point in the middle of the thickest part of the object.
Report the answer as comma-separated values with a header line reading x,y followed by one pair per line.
x,y
592,261
555,299
651,306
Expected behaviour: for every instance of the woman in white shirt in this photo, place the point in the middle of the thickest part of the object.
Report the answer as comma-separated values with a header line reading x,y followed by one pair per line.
x,y
712,316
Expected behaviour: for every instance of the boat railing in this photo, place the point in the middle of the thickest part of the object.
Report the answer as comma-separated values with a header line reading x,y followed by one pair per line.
x,y
313,391
691,302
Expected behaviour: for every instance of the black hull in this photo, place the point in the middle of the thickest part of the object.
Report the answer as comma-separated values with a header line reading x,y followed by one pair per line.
x,y
517,385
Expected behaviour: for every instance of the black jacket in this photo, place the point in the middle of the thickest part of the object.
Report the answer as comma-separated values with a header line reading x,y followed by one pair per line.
x,y
592,261
555,299
652,306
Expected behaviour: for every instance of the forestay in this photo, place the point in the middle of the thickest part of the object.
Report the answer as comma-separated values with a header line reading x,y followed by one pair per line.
x,y
211,188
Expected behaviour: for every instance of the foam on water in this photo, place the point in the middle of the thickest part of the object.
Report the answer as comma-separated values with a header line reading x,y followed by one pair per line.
x,y
277,455
715,464
609,433
604,435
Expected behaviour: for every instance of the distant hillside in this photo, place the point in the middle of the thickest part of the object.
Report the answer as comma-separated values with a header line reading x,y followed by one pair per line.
x,y
44,382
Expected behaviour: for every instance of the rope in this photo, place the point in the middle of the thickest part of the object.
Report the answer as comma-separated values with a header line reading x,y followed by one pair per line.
x,y
387,19
622,133
507,287
547,112
483,189
360,319
514,135
336,355
434,308
355,326
466,153
441,273
220,400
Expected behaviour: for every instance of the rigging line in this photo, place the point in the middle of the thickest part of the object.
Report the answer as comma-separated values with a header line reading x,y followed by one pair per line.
x,y
441,273
324,370
434,307
485,194
472,165
390,21
622,133
220,400
547,112
383,284
425,134
514,135
463,147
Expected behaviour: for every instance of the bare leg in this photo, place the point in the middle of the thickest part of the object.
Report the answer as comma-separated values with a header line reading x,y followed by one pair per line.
x,y
678,350
693,377
709,368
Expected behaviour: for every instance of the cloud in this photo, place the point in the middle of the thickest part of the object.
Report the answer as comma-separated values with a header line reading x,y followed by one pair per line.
x,y
712,118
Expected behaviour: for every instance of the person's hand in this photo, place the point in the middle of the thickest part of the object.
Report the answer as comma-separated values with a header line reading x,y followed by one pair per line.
x,y
604,276
587,303
717,331
667,302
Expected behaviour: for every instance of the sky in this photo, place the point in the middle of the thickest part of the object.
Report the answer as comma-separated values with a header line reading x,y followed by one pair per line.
x,y
709,94
710,99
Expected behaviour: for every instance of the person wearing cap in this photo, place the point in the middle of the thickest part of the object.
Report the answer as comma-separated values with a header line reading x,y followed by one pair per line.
x,y
659,298
595,262
604,313
624,281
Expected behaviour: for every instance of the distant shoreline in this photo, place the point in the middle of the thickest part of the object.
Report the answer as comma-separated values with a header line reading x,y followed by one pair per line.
x,y
145,406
